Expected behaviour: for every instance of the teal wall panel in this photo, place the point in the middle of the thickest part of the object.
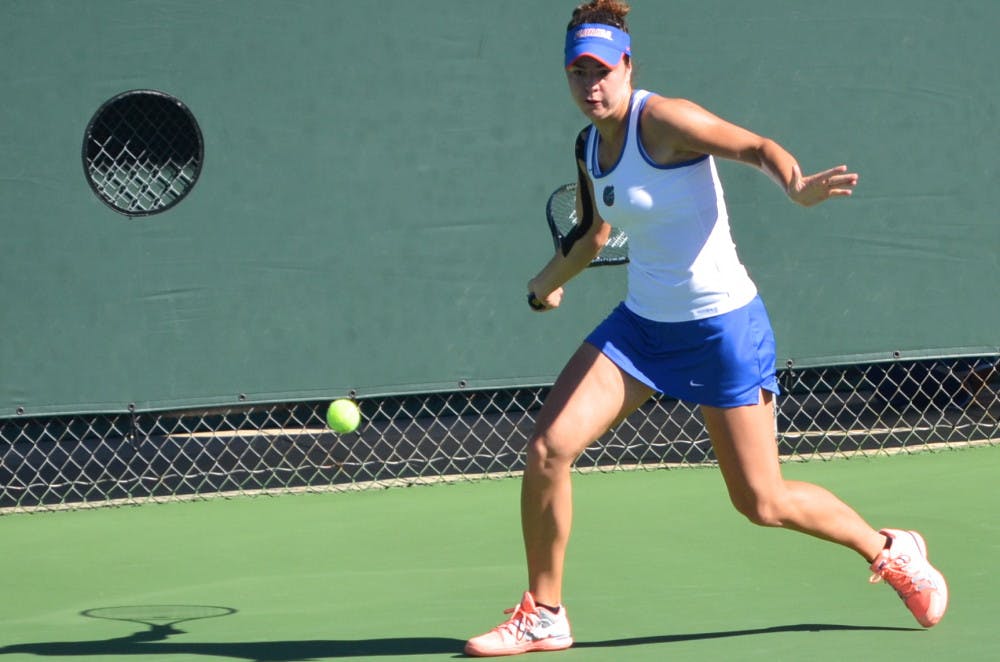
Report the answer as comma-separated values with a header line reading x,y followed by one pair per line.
x,y
370,206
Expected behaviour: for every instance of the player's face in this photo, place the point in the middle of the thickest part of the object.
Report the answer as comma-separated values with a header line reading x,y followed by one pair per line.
x,y
599,91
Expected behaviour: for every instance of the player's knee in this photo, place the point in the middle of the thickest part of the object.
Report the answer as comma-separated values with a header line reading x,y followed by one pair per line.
x,y
543,452
760,510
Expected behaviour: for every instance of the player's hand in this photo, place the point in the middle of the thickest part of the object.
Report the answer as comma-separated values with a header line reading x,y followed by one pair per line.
x,y
548,302
813,189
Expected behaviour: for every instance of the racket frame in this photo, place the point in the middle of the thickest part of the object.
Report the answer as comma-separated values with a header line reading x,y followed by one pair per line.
x,y
558,199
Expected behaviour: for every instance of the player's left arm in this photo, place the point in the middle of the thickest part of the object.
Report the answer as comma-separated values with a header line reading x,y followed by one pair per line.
x,y
685,127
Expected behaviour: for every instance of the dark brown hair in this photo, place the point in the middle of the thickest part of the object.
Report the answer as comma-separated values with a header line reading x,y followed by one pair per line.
x,y
608,12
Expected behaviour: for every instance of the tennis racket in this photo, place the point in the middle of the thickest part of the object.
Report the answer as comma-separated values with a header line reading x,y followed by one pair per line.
x,y
560,211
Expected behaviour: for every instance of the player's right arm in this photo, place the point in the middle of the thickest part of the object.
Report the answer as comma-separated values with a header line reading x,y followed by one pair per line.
x,y
579,248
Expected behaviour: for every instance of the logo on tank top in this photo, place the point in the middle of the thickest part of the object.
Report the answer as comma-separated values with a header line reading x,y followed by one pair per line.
x,y
609,195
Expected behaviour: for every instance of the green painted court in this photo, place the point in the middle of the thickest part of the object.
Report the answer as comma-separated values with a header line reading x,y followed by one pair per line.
x,y
660,567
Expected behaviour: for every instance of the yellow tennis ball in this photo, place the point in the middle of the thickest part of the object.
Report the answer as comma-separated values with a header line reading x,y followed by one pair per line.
x,y
343,416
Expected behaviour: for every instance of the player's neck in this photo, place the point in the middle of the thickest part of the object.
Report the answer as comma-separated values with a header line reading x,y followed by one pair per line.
x,y
614,125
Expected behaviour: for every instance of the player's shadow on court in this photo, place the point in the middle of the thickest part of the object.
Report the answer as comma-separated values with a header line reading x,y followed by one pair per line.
x,y
160,625
697,636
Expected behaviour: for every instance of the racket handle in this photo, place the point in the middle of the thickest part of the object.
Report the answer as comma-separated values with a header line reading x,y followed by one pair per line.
x,y
535,302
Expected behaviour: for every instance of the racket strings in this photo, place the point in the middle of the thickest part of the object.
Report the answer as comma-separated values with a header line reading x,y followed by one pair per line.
x,y
561,211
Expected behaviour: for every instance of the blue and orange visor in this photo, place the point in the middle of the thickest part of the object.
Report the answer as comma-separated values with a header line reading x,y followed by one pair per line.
x,y
605,43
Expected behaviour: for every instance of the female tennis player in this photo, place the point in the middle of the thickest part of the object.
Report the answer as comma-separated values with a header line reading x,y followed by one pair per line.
x,y
691,326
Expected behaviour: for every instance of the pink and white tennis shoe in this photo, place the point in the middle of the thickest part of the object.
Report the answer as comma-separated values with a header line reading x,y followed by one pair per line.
x,y
904,567
530,628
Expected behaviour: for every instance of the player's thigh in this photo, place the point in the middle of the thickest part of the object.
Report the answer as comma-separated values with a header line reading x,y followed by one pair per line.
x,y
745,446
590,395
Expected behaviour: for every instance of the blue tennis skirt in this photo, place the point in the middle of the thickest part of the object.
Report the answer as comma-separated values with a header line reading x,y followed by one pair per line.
x,y
721,361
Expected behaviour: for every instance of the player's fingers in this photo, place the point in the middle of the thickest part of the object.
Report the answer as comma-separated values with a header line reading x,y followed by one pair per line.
x,y
830,172
831,183
833,177
847,177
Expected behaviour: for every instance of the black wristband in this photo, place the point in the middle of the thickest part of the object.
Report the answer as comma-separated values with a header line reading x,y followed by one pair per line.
x,y
535,302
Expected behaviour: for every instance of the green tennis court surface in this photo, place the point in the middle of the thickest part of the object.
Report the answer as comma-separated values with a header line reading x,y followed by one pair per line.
x,y
660,568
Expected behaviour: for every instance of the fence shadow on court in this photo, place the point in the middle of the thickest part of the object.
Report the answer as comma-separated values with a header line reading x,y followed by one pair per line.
x,y
251,651
161,624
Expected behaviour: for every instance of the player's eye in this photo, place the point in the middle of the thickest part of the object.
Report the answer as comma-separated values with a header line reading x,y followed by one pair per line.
x,y
595,73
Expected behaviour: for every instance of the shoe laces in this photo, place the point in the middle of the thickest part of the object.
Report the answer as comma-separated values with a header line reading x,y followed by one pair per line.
x,y
519,624
902,574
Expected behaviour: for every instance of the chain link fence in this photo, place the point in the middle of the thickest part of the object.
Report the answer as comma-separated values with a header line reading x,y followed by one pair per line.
x,y
142,152
93,460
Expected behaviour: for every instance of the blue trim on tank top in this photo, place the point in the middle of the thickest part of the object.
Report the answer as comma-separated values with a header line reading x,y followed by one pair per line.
x,y
595,161
645,155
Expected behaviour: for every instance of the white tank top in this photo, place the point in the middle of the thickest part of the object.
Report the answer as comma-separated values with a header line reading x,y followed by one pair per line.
x,y
683,264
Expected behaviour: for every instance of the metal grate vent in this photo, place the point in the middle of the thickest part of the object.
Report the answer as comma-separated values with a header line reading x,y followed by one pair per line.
x,y
142,152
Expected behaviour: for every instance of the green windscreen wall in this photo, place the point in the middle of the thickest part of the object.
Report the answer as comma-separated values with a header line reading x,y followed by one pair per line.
x,y
370,203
